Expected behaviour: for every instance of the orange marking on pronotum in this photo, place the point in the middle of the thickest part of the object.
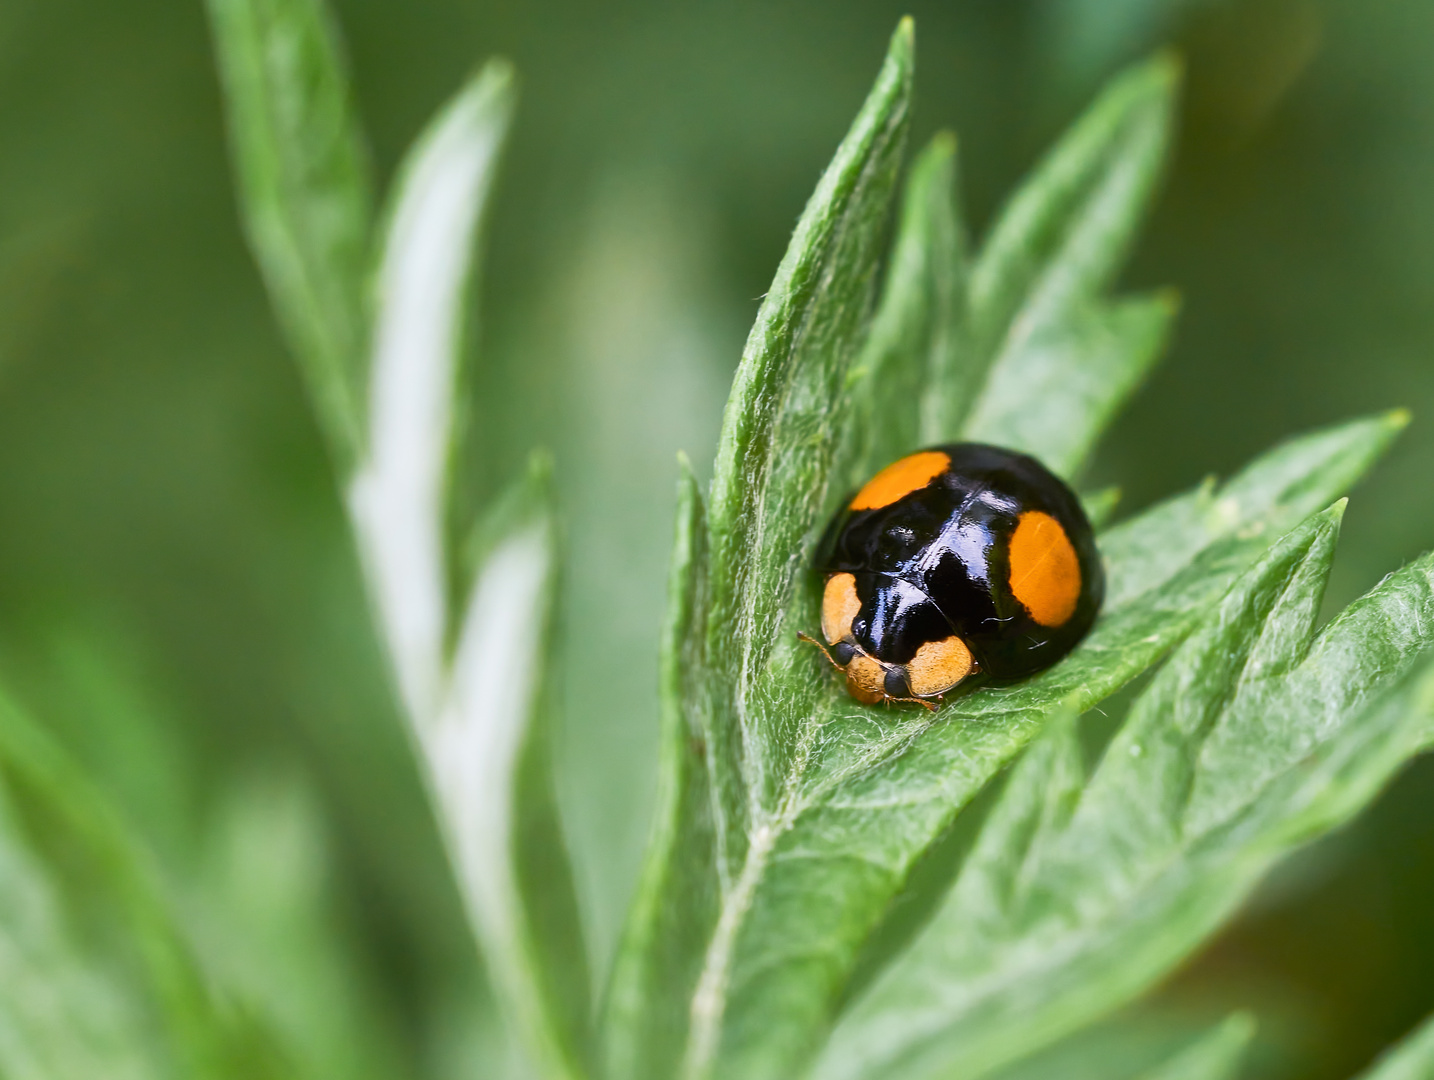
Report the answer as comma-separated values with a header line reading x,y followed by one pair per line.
x,y
840,606
938,666
1045,573
900,478
866,679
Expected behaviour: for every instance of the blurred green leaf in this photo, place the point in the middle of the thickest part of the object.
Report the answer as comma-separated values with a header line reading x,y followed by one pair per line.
x,y
1144,1042
1256,737
270,934
305,192
398,498
675,907
1036,289
1067,229
471,675
1410,1059
1215,1055
479,715
63,1015
1098,353
100,968
487,755
1100,506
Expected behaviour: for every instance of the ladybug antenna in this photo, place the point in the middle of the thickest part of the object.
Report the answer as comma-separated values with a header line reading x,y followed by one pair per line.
x,y
813,641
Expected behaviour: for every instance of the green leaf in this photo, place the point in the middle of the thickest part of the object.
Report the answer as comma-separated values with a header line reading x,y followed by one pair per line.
x,y
1036,290
830,817
250,869
1031,311
1410,1059
266,923
1150,1043
1067,228
486,753
1100,506
1216,1055
774,462
870,795
915,342
1094,356
1267,498
675,907
1256,737
479,715
304,192
780,432
480,711
99,976
398,495
60,1013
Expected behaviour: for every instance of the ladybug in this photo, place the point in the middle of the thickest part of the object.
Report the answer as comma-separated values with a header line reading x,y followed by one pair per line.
x,y
956,561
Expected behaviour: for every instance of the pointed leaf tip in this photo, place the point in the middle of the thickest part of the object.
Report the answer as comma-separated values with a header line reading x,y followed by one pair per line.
x,y
499,72
943,144
1167,68
900,56
904,39
1158,75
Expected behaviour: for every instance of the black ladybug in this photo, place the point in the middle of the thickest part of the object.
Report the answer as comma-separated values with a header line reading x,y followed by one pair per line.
x,y
953,561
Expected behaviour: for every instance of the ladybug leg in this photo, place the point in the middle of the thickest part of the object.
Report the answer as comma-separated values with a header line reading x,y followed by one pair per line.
x,y
920,701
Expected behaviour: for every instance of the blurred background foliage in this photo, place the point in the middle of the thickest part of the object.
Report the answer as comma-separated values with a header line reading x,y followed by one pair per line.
x,y
180,600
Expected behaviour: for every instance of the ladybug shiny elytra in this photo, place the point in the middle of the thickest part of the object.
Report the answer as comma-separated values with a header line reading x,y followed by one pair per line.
x,y
957,560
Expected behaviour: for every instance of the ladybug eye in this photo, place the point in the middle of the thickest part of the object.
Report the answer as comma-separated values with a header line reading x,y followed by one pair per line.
x,y
895,684
842,652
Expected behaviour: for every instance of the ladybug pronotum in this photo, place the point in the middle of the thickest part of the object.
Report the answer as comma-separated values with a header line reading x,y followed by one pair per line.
x,y
955,561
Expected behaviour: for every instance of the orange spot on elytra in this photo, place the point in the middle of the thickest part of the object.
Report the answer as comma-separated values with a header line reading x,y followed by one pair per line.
x,y
1045,573
911,473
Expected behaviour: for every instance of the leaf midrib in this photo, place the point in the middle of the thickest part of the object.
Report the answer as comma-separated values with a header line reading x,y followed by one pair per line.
x,y
710,998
